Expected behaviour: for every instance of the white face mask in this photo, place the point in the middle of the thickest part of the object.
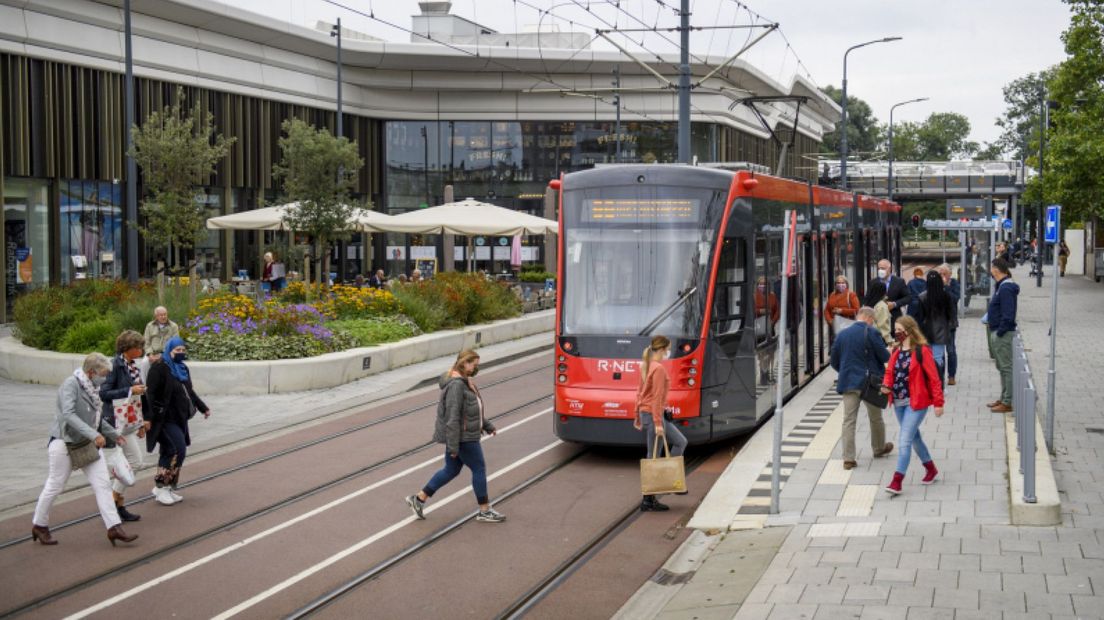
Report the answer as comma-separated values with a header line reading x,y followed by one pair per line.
x,y
882,273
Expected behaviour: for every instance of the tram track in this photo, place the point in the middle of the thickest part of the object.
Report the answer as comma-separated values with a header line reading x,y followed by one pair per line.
x,y
546,585
291,450
234,523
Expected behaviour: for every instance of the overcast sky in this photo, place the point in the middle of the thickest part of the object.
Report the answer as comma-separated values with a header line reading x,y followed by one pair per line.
x,y
959,53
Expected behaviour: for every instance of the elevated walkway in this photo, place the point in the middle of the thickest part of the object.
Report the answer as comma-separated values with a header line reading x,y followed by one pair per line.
x,y
931,180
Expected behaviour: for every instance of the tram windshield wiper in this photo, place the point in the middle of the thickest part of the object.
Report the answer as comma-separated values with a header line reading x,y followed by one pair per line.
x,y
668,311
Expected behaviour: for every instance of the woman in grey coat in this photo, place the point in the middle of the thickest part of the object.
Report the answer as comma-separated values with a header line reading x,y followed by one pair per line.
x,y
78,420
460,425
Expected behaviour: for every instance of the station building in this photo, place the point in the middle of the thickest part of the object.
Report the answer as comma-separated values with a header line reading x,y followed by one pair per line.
x,y
493,115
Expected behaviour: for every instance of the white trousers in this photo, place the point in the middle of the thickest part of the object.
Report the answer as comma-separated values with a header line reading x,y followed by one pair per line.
x,y
60,468
132,450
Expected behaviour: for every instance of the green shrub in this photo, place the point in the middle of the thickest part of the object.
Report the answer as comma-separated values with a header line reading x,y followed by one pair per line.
x,y
452,300
378,330
428,313
87,336
536,276
532,267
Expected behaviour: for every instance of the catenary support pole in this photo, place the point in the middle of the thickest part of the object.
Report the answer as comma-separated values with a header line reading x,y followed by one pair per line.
x,y
684,86
131,165
776,453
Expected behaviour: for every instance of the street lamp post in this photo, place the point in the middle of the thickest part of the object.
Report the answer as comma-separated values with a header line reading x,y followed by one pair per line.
x,y
843,106
336,32
889,186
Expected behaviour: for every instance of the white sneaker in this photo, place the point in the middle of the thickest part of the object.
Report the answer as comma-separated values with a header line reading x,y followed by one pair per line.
x,y
176,496
161,494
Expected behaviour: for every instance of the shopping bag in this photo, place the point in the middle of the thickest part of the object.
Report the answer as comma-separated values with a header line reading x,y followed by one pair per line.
x,y
128,414
118,466
666,474
840,323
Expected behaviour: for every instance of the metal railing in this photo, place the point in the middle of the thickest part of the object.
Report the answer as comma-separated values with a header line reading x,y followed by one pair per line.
x,y
1024,398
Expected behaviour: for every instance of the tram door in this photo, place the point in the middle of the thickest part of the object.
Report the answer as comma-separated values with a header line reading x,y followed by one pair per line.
x,y
767,312
727,392
821,290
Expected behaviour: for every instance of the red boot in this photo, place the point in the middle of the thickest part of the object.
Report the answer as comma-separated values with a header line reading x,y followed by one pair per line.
x,y
894,487
932,473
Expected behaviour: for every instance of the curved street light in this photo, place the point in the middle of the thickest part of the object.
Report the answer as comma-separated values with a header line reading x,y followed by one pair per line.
x,y
889,184
843,105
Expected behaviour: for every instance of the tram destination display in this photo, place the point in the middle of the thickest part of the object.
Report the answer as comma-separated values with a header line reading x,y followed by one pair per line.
x,y
641,210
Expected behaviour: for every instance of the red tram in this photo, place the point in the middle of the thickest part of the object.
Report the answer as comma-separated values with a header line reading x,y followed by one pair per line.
x,y
689,253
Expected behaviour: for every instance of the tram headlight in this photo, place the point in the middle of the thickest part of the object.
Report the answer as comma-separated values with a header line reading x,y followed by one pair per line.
x,y
562,368
562,378
693,361
693,371
562,358
690,381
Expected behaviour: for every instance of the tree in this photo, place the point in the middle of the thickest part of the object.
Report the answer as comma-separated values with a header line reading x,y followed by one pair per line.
x,y
1075,145
1020,122
864,134
318,170
177,152
941,137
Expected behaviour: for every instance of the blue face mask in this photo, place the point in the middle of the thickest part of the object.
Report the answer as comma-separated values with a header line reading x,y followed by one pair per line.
x,y
179,357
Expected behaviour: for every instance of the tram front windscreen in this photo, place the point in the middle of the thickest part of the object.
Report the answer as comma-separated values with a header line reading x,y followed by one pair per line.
x,y
633,253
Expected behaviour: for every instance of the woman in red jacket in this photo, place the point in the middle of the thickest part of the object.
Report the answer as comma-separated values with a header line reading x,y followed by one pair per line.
x,y
651,399
914,385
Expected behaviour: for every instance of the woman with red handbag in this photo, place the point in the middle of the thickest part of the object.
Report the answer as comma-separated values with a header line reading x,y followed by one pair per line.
x,y
913,381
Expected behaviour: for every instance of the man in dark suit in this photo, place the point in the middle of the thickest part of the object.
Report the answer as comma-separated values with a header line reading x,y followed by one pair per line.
x,y
857,353
898,296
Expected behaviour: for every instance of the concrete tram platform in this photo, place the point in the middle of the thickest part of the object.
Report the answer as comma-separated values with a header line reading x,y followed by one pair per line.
x,y
27,410
843,548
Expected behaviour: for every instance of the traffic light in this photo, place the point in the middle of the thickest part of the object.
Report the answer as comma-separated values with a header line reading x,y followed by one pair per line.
x,y
916,220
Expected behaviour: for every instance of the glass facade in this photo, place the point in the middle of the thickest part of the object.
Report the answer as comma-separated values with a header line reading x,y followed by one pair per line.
x,y
26,235
91,230
507,163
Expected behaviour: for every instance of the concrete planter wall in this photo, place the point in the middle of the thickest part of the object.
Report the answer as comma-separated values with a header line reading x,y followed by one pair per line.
x,y
22,363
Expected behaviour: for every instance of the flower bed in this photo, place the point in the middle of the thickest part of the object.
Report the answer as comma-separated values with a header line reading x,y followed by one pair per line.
x,y
89,315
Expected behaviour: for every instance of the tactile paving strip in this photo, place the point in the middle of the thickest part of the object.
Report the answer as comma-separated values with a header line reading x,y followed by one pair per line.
x,y
794,446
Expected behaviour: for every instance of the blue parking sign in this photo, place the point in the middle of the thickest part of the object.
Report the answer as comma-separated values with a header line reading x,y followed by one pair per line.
x,y
1053,221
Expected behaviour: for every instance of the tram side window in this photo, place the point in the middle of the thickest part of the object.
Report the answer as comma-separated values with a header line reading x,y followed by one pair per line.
x,y
728,308
768,286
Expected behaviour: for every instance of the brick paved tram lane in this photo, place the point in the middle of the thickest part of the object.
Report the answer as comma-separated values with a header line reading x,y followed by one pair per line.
x,y
948,550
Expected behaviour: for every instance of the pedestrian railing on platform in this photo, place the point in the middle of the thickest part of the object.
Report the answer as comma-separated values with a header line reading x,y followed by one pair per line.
x,y
1024,399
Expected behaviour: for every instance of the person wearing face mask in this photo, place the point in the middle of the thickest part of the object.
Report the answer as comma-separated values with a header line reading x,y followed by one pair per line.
x,y
125,382
651,400
912,381
898,296
842,302
79,431
461,423
173,402
876,299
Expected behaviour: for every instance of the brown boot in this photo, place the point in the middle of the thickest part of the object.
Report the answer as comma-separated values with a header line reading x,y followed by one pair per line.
x,y
886,449
41,533
117,533
1001,408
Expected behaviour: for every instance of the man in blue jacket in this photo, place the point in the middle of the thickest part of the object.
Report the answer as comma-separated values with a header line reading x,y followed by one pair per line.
x,y
1001,318
858,353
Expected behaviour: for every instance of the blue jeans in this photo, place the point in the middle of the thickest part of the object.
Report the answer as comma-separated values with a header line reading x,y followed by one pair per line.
x,y
910,439
952,356
939,352
471,454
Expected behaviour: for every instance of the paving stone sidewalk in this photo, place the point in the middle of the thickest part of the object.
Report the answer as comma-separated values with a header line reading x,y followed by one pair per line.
x,y
948,550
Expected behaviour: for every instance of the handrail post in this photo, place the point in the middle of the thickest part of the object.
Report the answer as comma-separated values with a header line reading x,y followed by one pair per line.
x,y
1027,455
